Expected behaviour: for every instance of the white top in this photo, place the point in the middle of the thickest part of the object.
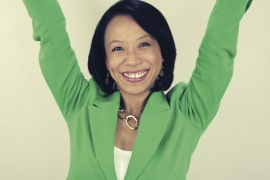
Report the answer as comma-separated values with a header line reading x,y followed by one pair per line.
x,y
121,161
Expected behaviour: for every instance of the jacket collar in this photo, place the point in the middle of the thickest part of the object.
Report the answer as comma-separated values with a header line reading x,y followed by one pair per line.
x,y
103,114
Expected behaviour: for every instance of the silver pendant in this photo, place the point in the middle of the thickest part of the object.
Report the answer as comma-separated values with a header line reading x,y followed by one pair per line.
x,y
128,118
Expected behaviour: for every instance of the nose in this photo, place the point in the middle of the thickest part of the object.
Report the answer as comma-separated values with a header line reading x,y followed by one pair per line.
x,y
132,59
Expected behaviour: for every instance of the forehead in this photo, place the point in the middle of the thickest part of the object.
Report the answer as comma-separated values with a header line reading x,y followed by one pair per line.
x,y
123,26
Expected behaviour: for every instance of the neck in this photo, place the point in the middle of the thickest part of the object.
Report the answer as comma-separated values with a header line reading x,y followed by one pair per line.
x,y
134,104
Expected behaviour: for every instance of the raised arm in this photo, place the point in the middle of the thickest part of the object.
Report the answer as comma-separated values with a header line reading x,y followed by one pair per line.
x,y
214,66
57,59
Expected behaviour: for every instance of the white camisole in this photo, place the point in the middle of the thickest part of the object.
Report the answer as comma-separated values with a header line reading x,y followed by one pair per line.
x,y
121,161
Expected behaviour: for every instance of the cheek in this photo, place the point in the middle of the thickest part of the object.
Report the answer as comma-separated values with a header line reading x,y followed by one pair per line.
x,y
154,55
155,59
112,63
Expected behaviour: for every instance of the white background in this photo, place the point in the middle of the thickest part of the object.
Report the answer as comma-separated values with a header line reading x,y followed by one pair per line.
x,y
34,140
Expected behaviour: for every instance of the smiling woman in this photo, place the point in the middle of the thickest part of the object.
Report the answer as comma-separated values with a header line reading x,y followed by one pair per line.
x,y
121,123
134,60
150,24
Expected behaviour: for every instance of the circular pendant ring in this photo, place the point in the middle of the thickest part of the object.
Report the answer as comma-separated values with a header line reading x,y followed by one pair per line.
x,y
136,122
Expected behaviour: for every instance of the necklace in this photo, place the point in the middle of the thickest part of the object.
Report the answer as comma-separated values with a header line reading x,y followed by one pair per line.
x,y
128,118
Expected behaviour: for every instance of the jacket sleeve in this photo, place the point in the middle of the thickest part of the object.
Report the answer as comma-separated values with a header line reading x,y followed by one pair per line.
x,y
214,66
57,59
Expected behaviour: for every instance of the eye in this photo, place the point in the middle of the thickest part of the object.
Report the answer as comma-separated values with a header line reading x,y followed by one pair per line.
x,y
117,49
144,44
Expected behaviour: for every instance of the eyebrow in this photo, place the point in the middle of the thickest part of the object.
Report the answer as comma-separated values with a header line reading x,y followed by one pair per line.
x,y
115,41
142,37
145,36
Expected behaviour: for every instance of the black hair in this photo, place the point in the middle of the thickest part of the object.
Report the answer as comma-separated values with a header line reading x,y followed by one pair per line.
x,y
150,20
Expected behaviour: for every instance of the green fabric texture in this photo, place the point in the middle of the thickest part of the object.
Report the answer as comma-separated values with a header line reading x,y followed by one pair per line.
x,y
171,124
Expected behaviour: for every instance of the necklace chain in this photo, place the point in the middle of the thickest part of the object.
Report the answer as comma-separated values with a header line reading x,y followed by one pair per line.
x,y
128,118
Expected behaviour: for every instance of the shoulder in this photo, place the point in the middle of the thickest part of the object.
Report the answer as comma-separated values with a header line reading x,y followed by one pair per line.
x,y
95,90
176,91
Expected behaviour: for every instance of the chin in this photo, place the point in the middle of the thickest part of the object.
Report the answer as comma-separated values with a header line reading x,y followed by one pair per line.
x,y
135,91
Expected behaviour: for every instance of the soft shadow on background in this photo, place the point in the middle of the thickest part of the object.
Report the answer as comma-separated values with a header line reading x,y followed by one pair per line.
x,y
34,140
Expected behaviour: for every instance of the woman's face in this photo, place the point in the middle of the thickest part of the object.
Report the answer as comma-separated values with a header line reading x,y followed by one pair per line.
x,y
133,59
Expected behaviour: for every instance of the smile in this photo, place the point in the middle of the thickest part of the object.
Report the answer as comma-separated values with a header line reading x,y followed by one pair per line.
x,y
135,76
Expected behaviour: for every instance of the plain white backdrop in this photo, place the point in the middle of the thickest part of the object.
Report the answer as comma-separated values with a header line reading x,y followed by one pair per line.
x,y
34,139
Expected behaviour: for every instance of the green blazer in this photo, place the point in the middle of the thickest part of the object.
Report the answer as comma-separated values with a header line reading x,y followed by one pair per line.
x,y
171,125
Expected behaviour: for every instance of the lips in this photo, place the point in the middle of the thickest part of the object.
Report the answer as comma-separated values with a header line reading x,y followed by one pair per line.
x,y
135,76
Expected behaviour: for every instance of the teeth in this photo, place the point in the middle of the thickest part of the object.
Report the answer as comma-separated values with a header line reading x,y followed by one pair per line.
x,y
135,75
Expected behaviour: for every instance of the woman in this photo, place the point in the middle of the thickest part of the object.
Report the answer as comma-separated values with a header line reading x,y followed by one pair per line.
x,y
121,124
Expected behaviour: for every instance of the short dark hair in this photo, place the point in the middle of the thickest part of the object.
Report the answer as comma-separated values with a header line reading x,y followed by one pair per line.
x,y
150,20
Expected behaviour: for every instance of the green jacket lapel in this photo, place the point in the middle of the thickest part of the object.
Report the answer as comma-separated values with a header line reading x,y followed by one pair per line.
x,y
103,115
152,126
